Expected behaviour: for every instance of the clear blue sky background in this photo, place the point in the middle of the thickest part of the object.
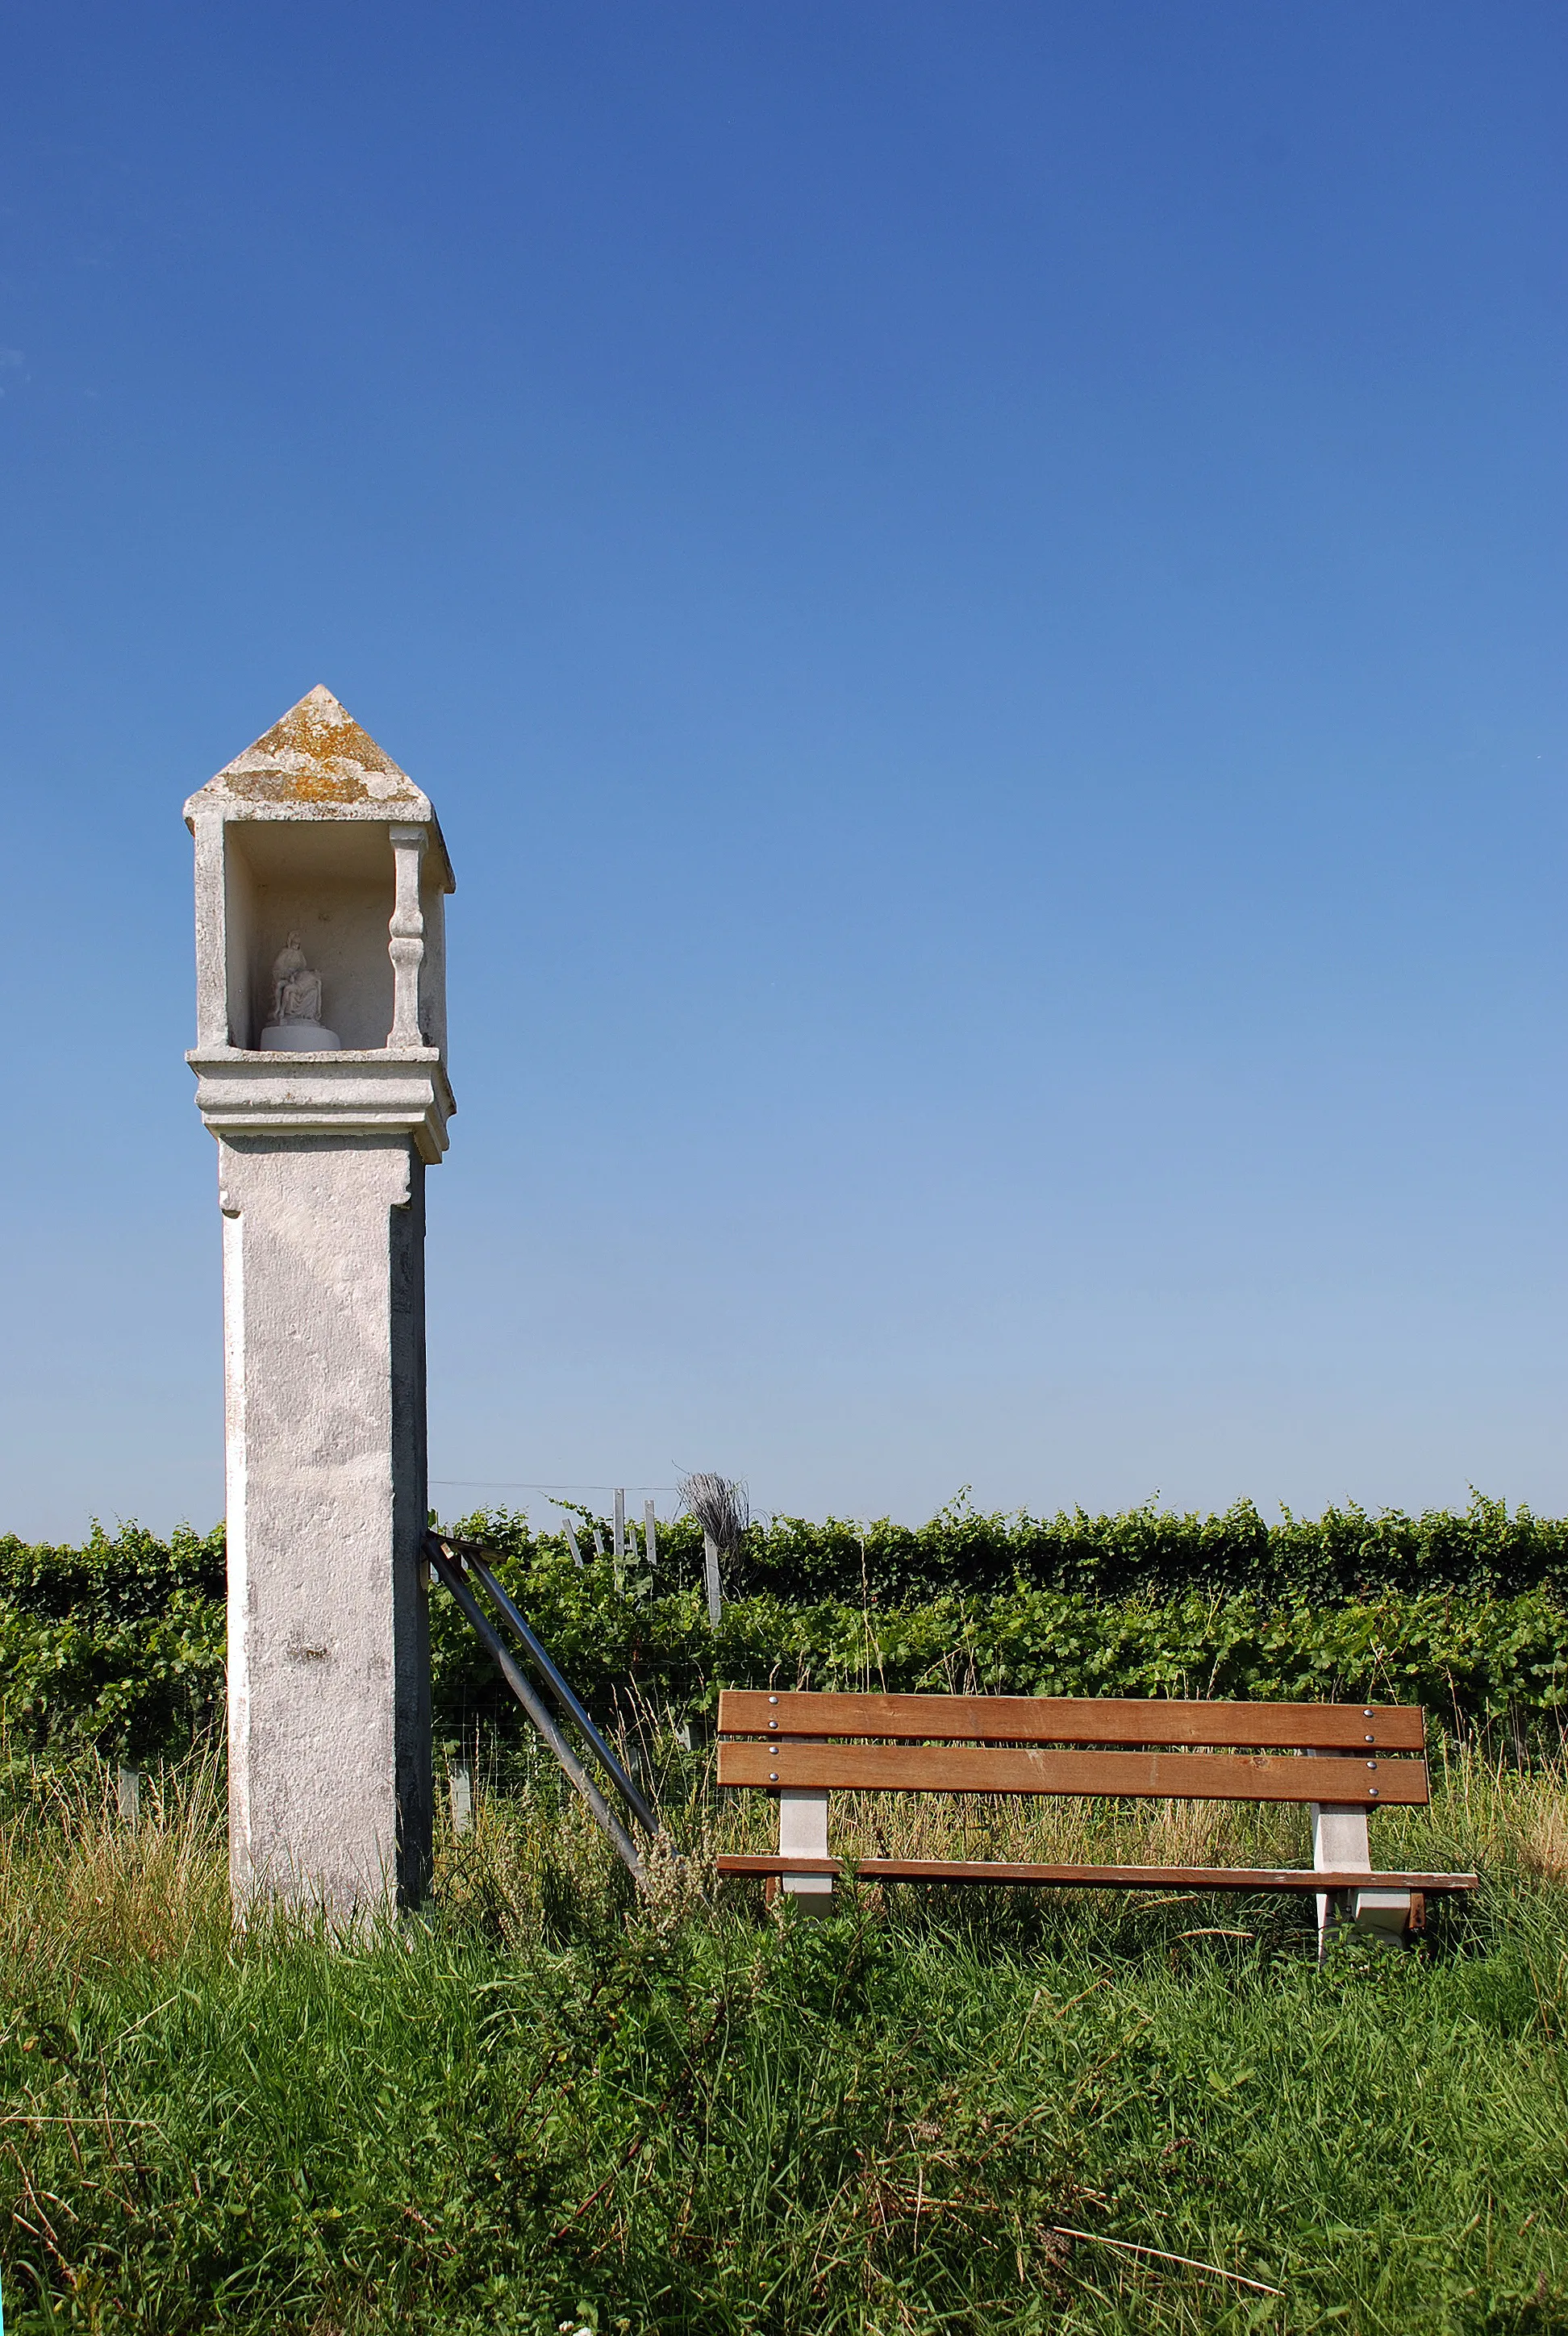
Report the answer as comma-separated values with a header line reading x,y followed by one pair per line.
x,y
981,590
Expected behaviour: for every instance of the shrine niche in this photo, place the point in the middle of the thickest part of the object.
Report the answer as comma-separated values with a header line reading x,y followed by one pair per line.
x,y
315,846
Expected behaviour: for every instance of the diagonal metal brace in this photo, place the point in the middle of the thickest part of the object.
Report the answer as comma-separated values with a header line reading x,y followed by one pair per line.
x,y
501,1655
475,1556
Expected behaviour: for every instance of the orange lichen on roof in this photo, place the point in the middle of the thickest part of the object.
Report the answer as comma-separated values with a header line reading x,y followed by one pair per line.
x,y
317,754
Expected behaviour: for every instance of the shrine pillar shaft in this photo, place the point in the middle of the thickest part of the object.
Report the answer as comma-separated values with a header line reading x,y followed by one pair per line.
x,y
328,1643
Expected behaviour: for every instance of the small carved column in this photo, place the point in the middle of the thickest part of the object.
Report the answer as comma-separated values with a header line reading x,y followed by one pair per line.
x,y
406,948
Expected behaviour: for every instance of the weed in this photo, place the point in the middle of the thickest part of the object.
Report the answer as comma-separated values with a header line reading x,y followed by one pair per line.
x,y
541,2102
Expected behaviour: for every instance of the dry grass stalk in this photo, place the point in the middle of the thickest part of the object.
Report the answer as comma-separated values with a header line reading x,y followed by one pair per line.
x,y
79,1887
77,1880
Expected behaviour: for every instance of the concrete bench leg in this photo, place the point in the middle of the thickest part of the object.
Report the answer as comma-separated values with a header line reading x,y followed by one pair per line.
x,y
1382,1913
1339,1840
803,1832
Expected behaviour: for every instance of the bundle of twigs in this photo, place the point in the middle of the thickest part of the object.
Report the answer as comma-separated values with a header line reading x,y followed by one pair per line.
x,y
720,1506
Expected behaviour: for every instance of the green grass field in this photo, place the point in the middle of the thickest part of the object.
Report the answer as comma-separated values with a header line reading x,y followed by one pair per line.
x,y
540,2104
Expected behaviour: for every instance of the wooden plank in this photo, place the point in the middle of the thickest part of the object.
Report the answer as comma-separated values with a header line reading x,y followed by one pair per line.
x,y
1144,1775
1073,1719
1096,1877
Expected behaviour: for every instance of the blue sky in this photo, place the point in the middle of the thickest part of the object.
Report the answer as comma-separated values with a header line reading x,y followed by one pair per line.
x,y
981,592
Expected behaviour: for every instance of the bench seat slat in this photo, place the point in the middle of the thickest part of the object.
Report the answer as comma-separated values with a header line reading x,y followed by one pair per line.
x,y
1092,1877
1158,1775
1073,1719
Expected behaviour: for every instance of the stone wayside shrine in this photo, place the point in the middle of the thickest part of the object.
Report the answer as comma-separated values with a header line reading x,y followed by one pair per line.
x,y
320,1065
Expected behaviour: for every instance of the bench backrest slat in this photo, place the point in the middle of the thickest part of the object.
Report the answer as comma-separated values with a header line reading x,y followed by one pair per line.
x,y
785,1764
1077,1719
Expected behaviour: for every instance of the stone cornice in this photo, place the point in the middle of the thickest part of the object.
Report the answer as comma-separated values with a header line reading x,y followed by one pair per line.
x,y
354,1092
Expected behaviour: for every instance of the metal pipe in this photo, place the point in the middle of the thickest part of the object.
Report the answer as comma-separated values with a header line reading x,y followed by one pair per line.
x,y
641,1809
476,1553
576,1774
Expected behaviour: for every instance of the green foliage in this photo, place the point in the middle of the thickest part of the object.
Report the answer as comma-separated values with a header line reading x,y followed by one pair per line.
x,y
1472,1655
683,2119
1148,1553
120,1645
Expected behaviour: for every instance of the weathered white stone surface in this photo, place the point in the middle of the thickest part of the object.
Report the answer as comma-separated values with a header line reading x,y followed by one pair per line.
x,y
328,1647
354,1092
320,884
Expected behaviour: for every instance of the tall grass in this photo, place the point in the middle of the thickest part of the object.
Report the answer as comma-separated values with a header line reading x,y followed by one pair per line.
x,y
548,2101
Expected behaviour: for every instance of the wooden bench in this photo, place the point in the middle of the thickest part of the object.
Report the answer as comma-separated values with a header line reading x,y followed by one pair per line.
x,y
1341,1760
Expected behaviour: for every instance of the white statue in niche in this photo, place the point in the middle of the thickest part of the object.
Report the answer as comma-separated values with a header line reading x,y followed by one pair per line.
x,y
295,1027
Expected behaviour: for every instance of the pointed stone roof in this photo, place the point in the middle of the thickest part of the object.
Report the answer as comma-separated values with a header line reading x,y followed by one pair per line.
x,y
316,763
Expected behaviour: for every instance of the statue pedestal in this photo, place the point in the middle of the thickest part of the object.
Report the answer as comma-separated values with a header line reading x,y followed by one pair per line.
x,y
298,1038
